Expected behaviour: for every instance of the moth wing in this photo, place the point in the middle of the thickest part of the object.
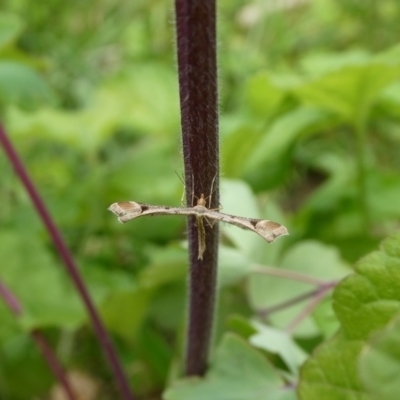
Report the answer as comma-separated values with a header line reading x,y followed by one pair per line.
x,y
270,230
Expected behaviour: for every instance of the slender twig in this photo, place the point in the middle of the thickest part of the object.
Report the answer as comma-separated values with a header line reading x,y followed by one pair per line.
x,y
70,265
15,306
10,299
196,42
51,359
265,312
285,273
322,292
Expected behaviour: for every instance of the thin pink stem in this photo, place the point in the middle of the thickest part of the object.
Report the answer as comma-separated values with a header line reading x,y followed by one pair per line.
x,y
295,300
13,303
322,292
284,273
51,359
10,299
70,265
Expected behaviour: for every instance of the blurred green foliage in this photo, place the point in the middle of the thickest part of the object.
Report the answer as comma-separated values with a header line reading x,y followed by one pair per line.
x,y
310,108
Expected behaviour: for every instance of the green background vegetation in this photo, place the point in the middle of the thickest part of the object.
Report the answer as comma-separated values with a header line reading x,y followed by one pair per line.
x,y
310,134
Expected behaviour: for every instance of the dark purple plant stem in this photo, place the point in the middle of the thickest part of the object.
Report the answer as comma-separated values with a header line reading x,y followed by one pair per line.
x,y
196,41
51,359
70,265
11,300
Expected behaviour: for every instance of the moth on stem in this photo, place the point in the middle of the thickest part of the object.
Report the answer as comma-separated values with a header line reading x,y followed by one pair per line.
x,y
268,230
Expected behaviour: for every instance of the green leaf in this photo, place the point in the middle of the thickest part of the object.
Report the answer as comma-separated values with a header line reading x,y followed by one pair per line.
x,y
238,372
311,258
367,300
384,194
241,326
281,136
164,278
45,293
390,55
124,311
390,100
237,199
125,103
279,342
364,303
23,86
233,266
339,185
331,373
325,318
351,91
379,364
10,28
322,63
168,265
19,357
9,326
239,145
156,351
147,99
263,95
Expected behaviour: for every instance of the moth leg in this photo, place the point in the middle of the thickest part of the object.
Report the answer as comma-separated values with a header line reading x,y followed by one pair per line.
x,y
210,223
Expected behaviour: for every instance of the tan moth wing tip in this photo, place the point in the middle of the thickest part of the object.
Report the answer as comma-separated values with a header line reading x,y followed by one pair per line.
x,y
270,230
282,231
123,207
112,208
278,232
